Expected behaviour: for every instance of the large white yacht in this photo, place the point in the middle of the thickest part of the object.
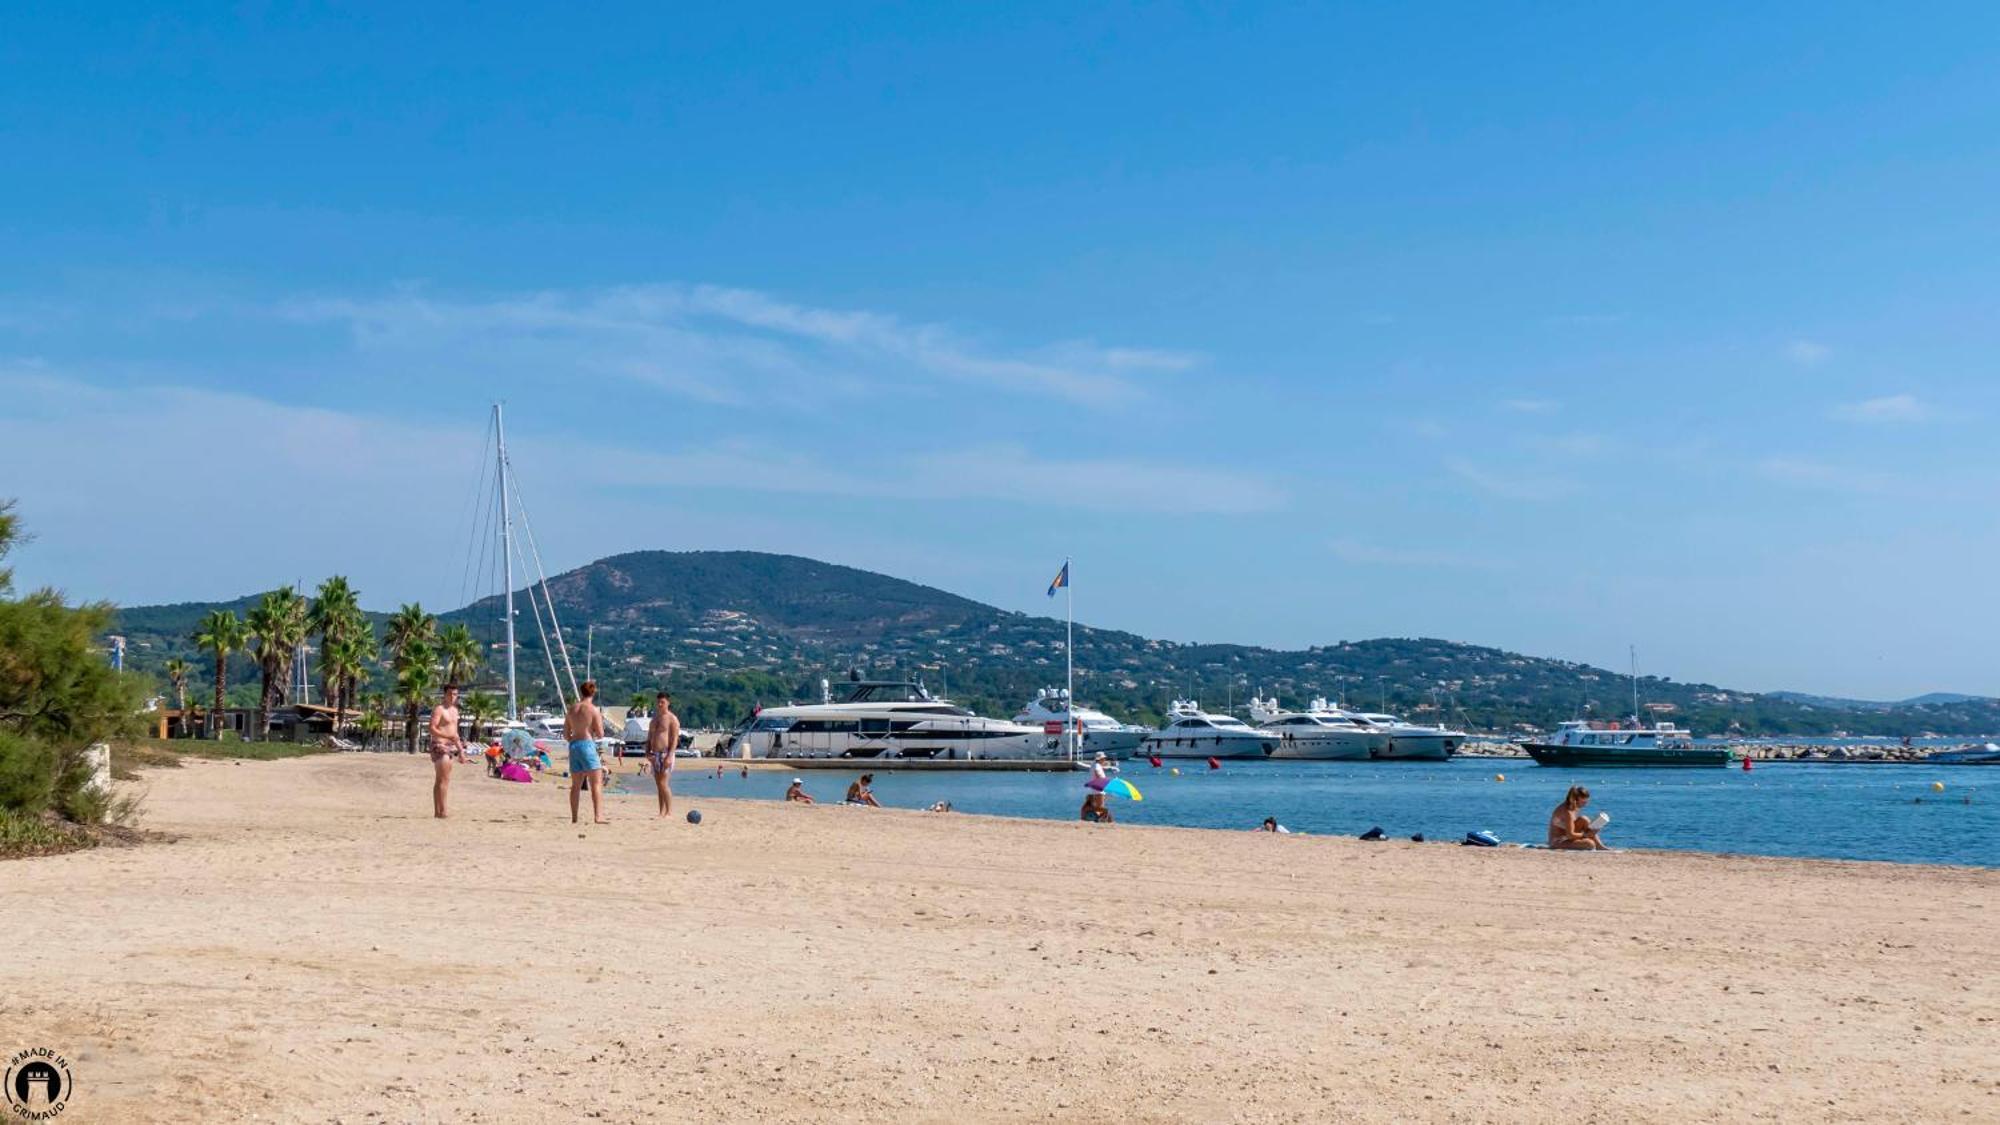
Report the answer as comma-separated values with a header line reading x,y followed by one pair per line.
x,y
1193,733
1411,741
1101,733
1320,732
887,719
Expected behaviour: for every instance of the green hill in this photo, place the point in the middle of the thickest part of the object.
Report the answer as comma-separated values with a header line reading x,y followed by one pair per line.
x,y
727,630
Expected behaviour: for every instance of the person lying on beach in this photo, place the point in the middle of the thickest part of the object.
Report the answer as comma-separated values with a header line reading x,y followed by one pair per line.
x,y
859,793
1569,829
1271,825
939,806
797,793
583,725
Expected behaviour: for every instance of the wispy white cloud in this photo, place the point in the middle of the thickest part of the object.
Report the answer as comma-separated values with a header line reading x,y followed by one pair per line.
x,y
1807,353
1578,444
1531,405
1887,409
1508,484
1365,553
726,345
1007,473
141,460
1803,472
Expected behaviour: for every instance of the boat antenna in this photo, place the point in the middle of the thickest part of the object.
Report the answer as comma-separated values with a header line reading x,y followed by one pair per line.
x,y
1635,684
507,553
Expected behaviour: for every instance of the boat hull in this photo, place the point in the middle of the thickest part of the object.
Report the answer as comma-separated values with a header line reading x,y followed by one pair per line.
x,y
1117,745
1209,746
1417,748
1546,754
1338,746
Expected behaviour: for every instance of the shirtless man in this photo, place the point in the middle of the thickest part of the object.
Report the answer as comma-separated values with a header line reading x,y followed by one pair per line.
x,y
583,725
445,747
797,793
663,737
1569,829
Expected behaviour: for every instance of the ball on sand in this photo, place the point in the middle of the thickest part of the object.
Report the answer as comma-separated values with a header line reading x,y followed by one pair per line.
x,y
694,816
1937,786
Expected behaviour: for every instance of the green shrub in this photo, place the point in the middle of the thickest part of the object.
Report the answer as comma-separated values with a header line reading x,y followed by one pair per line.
x,y
27,774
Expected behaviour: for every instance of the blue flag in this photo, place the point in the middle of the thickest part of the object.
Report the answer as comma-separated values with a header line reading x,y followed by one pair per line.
x,y
1062,579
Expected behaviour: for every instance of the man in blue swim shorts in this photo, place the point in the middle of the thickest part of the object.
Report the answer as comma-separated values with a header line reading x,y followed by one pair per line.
x,y
583,725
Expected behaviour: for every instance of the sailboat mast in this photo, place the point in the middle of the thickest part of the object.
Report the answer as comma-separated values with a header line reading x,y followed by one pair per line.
x,y
507,554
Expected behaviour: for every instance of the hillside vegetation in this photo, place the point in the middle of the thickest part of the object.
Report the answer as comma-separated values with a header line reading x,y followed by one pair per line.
x,y
728,630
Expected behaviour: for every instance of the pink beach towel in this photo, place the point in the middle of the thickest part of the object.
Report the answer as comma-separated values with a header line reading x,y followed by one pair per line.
x,y
515,771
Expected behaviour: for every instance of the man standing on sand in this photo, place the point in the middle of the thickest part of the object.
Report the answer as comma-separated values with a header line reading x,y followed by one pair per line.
x,y
663,737
445,747
583,725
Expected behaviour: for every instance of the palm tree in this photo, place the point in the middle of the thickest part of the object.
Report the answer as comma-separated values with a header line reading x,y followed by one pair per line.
x,y
277,626
479,705
336,610
639,702
222,633
408,626
346,663
416,679
369,727
177,675
460,652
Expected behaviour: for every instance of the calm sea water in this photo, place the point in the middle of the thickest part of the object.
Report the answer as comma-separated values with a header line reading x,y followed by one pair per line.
x,y
1881,812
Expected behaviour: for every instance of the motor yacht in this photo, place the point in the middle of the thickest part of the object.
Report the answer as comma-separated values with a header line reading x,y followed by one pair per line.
x,y
887,719
1410,741
1321,732
1193,733
1100,733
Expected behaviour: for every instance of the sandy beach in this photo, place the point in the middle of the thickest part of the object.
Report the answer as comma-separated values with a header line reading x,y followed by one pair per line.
x,y
315,948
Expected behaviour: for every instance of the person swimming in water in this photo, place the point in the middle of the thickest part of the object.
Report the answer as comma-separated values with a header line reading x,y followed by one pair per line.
x,y
1569,829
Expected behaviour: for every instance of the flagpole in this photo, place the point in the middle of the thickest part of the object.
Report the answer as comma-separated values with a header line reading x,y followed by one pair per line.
x,y
1069,657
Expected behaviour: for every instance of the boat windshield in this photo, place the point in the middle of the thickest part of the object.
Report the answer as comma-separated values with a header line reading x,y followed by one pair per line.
x,y
888,693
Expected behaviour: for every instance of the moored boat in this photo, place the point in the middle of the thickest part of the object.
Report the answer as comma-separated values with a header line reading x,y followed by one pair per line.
x,y
1580,743
1987,755
1098,733
888,720
1193,733
1318,733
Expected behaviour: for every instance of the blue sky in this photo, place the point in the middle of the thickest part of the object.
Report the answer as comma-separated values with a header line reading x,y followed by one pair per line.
x,y
1554,328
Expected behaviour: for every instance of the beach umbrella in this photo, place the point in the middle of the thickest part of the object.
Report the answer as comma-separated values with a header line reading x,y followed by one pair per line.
x,y
1123,788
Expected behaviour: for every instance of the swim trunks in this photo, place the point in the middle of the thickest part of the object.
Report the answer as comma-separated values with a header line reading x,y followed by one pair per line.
x,y
660,763
583,756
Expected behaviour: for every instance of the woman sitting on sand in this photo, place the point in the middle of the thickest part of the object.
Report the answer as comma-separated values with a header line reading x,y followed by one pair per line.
x,y
1569,829
859,793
